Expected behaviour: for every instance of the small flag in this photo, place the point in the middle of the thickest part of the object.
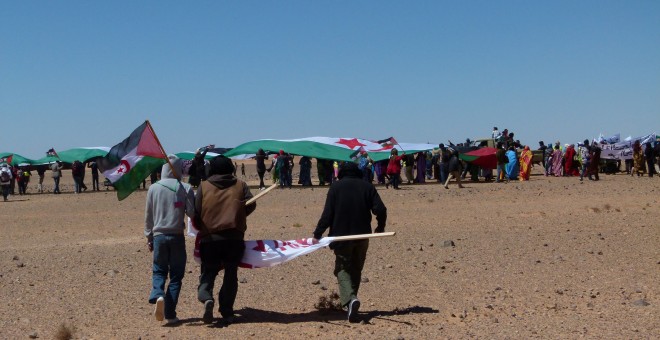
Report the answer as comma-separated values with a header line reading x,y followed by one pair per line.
x,y
51,153
7,159
128,163
357,152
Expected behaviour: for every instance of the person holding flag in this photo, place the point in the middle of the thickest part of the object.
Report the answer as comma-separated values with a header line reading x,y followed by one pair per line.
x,y
347,211
221,217
168,201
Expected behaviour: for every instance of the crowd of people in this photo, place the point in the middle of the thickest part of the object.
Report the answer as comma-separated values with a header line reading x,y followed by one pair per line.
x,y
514,161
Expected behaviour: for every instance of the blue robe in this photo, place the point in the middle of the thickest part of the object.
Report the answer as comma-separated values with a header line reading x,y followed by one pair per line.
x,y
512,168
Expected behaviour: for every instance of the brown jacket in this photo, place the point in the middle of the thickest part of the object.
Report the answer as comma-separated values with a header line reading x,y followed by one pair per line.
x,y
221,209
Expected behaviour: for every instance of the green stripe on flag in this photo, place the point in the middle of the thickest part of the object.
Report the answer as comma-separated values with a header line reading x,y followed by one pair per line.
x,y
131,181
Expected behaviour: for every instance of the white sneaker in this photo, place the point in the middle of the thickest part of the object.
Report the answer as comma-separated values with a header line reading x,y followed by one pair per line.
x,y
171,322
353,308
159,311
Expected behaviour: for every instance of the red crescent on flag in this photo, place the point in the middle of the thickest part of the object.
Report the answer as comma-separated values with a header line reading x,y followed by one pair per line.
x,y
124,167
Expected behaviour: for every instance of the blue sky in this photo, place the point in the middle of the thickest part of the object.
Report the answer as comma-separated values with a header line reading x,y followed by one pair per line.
x,y
86,73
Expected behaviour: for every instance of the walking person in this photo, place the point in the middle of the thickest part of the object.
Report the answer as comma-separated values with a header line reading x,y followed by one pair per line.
x,y
454,167
394,169
221,217
502,159
347,211
168,201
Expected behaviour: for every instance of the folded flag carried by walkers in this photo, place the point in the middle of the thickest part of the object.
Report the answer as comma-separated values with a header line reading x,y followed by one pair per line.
x,y
269,253
128,163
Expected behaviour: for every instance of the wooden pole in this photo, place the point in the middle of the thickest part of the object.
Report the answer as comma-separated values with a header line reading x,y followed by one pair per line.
x,y
362,236
253,199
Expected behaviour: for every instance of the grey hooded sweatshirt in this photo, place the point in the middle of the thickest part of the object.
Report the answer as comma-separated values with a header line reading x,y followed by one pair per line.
x,y
168,201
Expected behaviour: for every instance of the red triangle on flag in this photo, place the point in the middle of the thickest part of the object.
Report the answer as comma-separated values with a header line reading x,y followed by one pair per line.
x,y
148,145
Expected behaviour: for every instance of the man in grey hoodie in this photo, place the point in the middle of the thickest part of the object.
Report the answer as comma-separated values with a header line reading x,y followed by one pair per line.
x,y
168,201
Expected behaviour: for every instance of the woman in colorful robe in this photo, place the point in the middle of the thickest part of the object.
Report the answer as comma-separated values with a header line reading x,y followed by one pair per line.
x,y
557,169
570,165
512,168
525,164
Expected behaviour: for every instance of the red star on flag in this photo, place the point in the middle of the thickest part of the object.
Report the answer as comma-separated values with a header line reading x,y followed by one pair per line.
x,y
350,143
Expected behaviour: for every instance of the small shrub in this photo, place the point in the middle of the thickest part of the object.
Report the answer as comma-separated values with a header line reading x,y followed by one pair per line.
x,y
328,303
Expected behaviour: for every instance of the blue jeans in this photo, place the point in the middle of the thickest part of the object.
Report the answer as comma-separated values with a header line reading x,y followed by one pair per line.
x,y
169,256
444,172
57,185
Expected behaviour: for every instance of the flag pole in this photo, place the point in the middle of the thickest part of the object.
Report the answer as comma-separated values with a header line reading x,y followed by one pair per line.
x,y
253,199
153,133
362,236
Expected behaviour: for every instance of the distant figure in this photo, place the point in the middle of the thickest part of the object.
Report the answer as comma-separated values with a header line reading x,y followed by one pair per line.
x,y
77,170
500,155
454,167
639,161
320,170
570,166
585,155
512,168
56,173
5,180
95,175
41,171
649,154
394,169
243,170
305,178
496,134
556,159
197,170
261,158
24,179
525,163
594,164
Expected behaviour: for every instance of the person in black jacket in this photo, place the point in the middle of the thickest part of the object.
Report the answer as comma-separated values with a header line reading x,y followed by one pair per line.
x,y
347,211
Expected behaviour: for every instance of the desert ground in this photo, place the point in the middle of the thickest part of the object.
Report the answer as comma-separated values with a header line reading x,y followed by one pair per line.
x,y
549,258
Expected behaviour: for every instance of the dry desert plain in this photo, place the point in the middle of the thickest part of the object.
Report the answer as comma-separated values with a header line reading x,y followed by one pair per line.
x,y
549,258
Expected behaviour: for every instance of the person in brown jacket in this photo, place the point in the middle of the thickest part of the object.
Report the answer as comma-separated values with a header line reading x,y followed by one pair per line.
x,y
222,220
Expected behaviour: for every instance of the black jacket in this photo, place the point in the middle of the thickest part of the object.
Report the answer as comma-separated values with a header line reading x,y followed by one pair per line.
x,y
349,205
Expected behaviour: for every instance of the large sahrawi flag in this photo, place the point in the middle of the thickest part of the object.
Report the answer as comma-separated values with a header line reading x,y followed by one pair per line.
x,y
128,163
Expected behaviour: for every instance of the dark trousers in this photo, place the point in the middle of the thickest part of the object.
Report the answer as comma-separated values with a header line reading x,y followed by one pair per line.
x,y
349,262
261,179
95,183
649,164
5,191
217,255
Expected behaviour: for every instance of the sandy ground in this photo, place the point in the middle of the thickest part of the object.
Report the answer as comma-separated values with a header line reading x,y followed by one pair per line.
x,y
549,258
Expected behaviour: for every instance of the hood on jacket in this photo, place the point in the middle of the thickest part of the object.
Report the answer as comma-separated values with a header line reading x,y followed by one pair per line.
x,y
222,181
177,163
349,169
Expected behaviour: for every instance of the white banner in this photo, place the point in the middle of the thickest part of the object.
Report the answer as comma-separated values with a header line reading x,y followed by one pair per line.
x,y
623,150
269,253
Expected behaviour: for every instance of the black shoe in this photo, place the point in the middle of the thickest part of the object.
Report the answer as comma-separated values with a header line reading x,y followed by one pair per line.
x,y
353,308
208,311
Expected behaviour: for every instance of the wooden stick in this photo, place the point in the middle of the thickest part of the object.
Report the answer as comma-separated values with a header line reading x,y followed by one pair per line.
x,y
253,199
362,236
